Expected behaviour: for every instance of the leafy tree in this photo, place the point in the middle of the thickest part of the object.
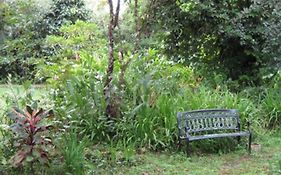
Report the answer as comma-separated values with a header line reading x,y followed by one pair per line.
x,y
62,12
82,39
223,36
25,26
75,38
19,48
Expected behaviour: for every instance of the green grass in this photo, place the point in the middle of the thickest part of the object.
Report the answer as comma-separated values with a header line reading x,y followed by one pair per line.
x,y
262,161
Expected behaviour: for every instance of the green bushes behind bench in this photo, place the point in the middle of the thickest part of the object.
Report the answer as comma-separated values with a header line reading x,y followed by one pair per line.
x,y
150,101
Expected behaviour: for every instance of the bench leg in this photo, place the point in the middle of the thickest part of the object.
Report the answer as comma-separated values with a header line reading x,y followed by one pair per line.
x,y
179,144
250,143
239,139
187,147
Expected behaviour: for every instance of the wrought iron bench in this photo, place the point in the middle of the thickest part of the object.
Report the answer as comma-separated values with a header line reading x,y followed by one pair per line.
x,y
211,123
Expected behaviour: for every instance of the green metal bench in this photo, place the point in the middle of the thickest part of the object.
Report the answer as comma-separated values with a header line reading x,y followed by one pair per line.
x,y
211,123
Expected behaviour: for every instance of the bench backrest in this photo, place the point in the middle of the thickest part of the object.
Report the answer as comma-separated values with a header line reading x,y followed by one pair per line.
x,y
206,120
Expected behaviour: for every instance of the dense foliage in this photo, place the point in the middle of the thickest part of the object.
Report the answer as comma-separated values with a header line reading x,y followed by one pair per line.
x,y
19,49
62,12
239,39
24,27
117,93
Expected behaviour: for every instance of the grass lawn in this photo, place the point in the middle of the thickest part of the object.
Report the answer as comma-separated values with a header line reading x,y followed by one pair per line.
x,y
264,160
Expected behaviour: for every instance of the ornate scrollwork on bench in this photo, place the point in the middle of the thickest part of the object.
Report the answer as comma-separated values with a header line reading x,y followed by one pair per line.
x,y
193,125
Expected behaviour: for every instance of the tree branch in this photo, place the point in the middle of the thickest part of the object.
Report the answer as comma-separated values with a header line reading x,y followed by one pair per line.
x,y
117,14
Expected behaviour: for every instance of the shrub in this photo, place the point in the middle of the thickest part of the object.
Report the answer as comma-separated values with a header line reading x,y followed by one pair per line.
x,y
79,47
32,145
20,49
226,37
20,96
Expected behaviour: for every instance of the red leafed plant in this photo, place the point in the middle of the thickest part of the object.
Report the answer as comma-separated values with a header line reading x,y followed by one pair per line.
x,y
29,128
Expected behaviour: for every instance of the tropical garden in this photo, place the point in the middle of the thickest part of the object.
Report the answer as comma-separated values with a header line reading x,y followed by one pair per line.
x,y
96,90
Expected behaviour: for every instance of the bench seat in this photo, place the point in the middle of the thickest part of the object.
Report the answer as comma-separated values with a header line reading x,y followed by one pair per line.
x,y
210,136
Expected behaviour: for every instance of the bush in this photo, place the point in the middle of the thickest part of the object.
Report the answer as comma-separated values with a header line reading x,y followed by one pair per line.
x,y
226,37
76,41
155,90
20,49
30,139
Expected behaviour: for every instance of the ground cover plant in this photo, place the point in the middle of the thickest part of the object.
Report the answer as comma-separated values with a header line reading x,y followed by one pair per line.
x,y
115,82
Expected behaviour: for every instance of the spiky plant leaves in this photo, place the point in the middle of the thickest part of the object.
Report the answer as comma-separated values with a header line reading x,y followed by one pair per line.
x,y
32,146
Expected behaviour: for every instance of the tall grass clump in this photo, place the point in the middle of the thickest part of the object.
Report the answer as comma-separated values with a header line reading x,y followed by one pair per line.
x,y
271,107
206,98
72,149
267,101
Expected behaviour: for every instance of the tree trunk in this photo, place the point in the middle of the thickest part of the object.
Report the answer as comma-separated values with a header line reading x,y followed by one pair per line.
x,y
137,23
117,14
113,22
